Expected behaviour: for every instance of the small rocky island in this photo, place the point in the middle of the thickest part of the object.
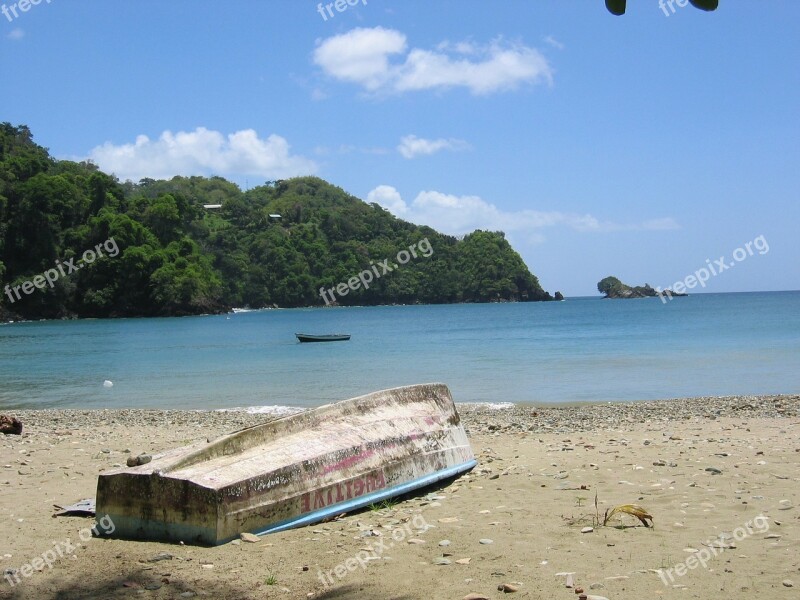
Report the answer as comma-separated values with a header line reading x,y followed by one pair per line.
x,y
614,288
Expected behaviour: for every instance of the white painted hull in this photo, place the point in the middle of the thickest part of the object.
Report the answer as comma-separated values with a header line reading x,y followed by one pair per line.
x,y
292,471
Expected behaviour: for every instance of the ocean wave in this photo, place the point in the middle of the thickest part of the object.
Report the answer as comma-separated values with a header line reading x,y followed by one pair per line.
x,y
279,411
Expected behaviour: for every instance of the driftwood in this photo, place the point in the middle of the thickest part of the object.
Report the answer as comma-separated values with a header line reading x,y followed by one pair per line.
x,y
10,425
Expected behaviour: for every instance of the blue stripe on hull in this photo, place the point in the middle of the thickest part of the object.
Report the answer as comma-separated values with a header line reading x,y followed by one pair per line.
x,y
362,501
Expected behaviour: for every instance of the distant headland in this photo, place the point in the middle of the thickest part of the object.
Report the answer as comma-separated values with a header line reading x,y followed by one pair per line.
x,y
614,288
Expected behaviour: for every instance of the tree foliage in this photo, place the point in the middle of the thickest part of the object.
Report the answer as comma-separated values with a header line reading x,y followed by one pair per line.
x,y
176,257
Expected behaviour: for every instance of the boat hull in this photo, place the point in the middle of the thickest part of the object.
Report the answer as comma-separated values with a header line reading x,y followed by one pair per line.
x,y
304,337
293,471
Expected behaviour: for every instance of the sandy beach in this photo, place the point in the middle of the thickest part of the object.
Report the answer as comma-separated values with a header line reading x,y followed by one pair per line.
x,y
719,476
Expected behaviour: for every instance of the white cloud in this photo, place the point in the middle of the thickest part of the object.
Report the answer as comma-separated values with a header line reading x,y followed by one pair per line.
x,y
202,152
16,34
362,56
389,198
411,145
554,42
458,215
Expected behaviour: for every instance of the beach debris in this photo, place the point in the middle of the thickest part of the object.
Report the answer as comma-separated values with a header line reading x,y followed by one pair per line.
x,y
250,538
142,459
714,470
108,384
507,588
629,509
441,560
485,541
463,561
587,530
160,556
10,425
444,543
570,582
134,585
788,583
82,508
474,596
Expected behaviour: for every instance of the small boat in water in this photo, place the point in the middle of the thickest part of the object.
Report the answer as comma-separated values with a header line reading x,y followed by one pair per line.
x,y
292,471
334,337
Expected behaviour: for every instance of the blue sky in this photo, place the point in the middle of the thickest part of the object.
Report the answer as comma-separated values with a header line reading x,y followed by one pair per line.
x,y
638,146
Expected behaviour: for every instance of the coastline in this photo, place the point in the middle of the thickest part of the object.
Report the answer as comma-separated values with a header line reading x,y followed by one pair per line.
x,y
705,468
568,416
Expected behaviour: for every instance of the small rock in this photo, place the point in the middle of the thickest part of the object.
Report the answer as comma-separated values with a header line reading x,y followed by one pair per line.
x,y
788,583
444,543
135,461
10,425
486,541
160,556
417,541
714,470
463,561
507,588
587,530
440,560
250,538
132,585
474,596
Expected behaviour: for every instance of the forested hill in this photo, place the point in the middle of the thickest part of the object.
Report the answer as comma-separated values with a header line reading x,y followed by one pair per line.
x,y
175,257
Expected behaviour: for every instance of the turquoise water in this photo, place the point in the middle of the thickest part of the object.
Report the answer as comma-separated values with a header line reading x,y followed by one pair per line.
x,y
584,349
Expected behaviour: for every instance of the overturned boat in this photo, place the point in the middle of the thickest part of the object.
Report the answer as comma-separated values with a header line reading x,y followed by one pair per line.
x,y
292,471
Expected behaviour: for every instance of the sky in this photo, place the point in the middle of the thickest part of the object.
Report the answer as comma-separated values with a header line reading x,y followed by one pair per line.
x,y
647,146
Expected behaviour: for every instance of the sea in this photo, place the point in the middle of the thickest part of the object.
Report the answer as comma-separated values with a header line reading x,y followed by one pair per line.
x,y
578,350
